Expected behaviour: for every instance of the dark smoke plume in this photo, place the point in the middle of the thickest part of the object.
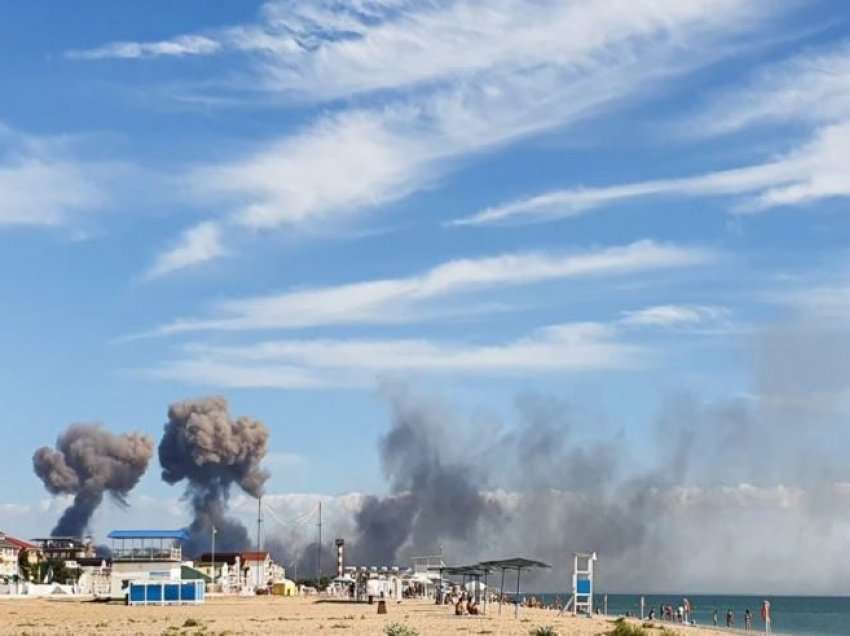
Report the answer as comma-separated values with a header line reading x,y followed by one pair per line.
x,y
435,494
727,494
203,446
88,462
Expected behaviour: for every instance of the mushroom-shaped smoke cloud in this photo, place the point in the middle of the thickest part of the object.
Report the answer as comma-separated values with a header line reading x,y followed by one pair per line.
x,y
203,446
89,461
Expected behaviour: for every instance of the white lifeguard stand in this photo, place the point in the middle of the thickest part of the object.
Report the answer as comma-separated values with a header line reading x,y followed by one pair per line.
x,y
582,601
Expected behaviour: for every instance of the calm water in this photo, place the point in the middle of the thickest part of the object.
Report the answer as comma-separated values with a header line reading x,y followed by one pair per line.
x,y
793,615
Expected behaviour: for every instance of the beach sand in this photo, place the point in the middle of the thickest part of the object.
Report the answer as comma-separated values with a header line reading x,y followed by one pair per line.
x,y
275,615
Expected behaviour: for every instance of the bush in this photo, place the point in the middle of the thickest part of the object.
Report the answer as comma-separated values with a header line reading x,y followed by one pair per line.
x,y
543,631
622,628
397,629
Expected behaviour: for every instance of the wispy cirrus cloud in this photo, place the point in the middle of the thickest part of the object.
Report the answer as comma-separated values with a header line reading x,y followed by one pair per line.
x,y
357,159
811,87
326,48
305,364
179,46
445,80
416,297
816,170
197,245
43,182
674,316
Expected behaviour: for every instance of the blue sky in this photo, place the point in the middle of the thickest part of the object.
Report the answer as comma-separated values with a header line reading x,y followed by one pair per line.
x,y
292,203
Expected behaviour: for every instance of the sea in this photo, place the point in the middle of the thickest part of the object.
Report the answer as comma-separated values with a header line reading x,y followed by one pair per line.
x,y
792,615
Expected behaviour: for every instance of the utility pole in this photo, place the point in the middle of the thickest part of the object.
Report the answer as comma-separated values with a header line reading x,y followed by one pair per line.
x,y
259,530
214,530
319,551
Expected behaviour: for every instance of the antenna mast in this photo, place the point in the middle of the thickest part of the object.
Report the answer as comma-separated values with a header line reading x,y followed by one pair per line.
x,y
319,551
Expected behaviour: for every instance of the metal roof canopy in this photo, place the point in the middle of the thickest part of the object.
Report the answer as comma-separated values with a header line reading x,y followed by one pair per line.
x,y
472,571
517,563
177,535
463,570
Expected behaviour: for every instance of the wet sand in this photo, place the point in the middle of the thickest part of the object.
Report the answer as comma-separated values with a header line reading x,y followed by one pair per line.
x,y
274,615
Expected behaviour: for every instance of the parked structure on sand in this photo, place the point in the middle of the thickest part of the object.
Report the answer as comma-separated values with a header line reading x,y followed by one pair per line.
x,y
144,555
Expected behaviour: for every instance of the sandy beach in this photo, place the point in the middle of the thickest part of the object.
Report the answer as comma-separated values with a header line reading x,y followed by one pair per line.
x,y
264,615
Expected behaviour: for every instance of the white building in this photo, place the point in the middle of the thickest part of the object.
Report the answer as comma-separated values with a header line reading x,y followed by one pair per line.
x,y
145,555
9,553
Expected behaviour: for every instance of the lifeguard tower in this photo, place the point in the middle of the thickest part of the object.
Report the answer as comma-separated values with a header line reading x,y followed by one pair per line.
x,y
582,600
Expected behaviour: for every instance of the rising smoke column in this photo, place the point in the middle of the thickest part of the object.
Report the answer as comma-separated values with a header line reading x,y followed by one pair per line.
x,y
435,493
88,462
203,446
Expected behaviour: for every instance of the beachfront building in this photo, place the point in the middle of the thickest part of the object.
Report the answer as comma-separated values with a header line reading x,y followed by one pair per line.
x,y
66,549
95,577
9,554
224,568
257,569
143,556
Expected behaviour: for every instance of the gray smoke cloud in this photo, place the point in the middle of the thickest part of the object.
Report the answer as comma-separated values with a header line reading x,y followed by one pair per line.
x,y
88,462
713,495
203,446
435,494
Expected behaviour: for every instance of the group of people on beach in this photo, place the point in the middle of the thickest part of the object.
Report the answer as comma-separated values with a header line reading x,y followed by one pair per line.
x,y
730,618
463,602
684,612
681,614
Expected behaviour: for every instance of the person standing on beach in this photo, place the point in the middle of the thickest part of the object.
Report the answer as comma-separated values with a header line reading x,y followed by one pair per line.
x,y
714,617
765,616
748,620
730,618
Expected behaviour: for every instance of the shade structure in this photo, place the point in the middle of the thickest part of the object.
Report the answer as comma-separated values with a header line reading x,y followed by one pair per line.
x,y
175,535
474,572
516,563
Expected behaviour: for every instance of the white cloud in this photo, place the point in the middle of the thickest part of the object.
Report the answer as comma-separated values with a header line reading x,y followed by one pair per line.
x,y
828,301
404,299
815,170
467,76
179,46
299,364
42,182
811,87
674,316
414,43
199,244
327,49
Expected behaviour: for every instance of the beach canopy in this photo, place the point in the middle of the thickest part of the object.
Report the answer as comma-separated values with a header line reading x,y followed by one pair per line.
x,y
465,570
517,563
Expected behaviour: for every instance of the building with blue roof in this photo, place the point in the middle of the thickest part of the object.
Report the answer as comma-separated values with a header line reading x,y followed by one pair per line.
x,y
144,556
